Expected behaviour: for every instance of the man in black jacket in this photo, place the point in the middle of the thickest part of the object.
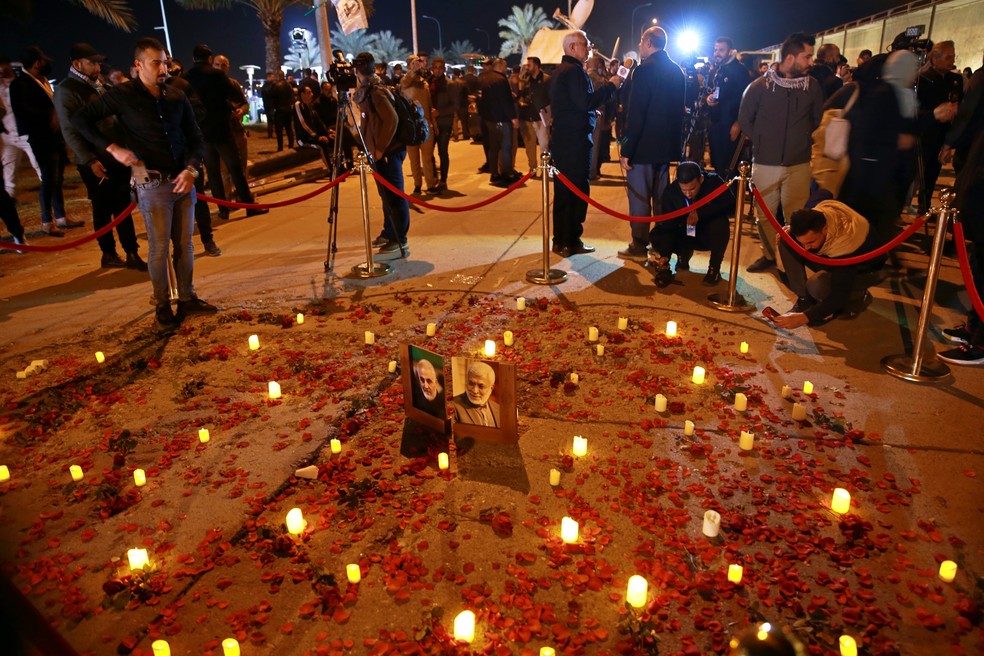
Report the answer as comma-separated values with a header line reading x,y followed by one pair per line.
x,y
824,70
731,78
107,182
940,91
498,111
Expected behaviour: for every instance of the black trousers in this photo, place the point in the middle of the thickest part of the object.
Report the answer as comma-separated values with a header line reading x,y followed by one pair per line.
x,y
711,235
225,150
283,119
444,126
722,148
109,197
569,211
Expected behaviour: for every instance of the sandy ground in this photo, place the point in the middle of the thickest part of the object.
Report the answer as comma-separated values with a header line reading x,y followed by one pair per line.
x,y
485,535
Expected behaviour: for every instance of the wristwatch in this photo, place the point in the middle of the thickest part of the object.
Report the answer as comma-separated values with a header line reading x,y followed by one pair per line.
x,y
192,171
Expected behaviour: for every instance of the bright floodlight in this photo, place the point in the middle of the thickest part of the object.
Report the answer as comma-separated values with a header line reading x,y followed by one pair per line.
x,y
688,42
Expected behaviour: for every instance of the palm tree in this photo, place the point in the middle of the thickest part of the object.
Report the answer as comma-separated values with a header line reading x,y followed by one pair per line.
x,y
386,47
458,49
114,12
351,44
520,27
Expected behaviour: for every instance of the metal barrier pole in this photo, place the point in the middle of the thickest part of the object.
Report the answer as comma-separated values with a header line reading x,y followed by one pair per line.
x,y
735,302
546,275
367,269
172,277
916,368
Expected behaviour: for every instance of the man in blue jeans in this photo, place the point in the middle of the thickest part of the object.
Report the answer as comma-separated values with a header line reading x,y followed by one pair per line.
x,y
165,151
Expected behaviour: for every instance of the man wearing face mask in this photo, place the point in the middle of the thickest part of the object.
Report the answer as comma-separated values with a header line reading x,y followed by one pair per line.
x,y
474,405
11,143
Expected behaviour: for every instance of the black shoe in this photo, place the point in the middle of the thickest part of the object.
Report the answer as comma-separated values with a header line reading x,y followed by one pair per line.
x,y
212,249
484,168
802,304
712,278
857,304
760,264
663,277
165,318
557,247
112,261
498,181
581,248
391,246
513,176
683,263
20,241
563,251
957,334
224,213
257,212
966,354
416,189
134,262
195,306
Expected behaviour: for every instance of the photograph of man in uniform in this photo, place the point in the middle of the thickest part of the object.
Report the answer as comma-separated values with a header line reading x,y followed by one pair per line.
x,y
475,405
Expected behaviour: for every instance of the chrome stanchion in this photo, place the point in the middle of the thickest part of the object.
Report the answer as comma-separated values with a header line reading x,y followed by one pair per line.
x,y
172,277
917,367
546,275
367,269
735,302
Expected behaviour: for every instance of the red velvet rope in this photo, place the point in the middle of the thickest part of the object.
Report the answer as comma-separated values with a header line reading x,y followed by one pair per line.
x,y
840,261
280,203
641,219
464,208
975,297
72,244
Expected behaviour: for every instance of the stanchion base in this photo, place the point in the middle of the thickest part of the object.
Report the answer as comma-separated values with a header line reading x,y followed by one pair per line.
x,y
722,302
550,277
900,366
363,270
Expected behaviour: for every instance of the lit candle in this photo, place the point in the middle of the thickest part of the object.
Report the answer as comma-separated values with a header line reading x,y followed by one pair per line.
x,y
254,343
203,435
637,591
273,389
4,474
161,648
688,427
137,558
948,571
671,328
391,367
100,358
139,477
734,573
230,647
295,521
489,348
840,502
547,651
76,473
507,338
431,329
698,376
555,477
353,572
848,647
746,441
623,323
741,402
799,412
807,387
592,334
370,338
300,318
580,447
442,461
743,347
712,523
575,378
520,303
786,391
600,349
660,403
336,445
464,626
568,530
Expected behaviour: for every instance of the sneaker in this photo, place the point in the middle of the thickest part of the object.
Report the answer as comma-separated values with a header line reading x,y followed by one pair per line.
x,y
212,249
391,246
52,230
761,264
112,261
581,248
802,304
195,306
957,334
966,354
166,320
20,241
416,190
857,305
379,241
68,223
663,277
713,276
134,261
634,252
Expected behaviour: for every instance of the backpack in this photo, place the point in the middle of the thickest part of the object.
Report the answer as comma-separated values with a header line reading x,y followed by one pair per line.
x,y
412,128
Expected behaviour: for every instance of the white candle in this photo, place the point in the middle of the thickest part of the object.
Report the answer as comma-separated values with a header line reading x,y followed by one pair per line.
x,y
743,347
336,445
139,477
547,651
637,591
160,648
442,461
746,441
254,342
431,329
786,391
568,530
295,521
507,338
592,334
698,376
391,367
464,626
734,573
203,435
807,387
580,447
520,303
575,378
76,473
840,502
712,523
100,358
489,348
600,349
741,402
848,646
660,403
370,338
671,329
948,571
623,323
300,318
4,474
799,412
554,477
688,427
353,572
137,558
230,647
273,389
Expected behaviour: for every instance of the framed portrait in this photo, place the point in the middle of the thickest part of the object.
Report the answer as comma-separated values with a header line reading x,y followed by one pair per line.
x,y
424,395
484,400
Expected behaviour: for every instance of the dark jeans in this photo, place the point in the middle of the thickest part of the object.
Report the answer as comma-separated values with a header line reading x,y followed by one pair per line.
x,y
931,172
203,216
444,125
225,150
283,119
167,217
52,160
499,154
569,211
109,197
396,210
9,216
722,148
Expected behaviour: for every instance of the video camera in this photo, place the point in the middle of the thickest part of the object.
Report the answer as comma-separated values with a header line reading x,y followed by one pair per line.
x,y
341,73
910,40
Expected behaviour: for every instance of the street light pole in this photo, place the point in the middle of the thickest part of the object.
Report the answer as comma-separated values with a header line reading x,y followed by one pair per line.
x,y
488,39
632,37
167,34
440,40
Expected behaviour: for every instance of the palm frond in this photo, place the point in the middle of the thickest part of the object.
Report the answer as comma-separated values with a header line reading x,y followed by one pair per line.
x,y
114,12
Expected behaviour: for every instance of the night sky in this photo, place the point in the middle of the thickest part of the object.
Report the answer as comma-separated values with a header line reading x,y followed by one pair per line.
x,y
237,33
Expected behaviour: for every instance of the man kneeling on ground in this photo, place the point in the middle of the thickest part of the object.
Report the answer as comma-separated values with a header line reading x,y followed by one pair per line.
x,y
831,230
706,228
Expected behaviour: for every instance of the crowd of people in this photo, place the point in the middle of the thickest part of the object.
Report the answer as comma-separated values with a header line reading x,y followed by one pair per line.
x,y
910,113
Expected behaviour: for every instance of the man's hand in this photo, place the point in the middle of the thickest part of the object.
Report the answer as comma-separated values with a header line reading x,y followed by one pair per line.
x,y
946,153
791,320
692,218
183,183
624,161
711,100
515,123
946,112
98,170
616,80
735,131
122,155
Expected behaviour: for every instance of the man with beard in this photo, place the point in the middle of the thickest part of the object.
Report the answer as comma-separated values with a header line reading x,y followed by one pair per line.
x,y
731,78
428,393
473,406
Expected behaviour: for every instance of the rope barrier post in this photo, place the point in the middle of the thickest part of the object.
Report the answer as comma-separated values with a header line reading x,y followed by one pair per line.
x,y
367,269
172,279
917,368
735,302
546,275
